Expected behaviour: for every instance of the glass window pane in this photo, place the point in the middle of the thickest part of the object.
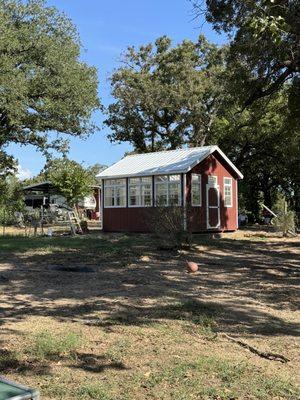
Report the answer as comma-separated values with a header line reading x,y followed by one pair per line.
x,y
108,197
196,195
227,181
174,177
161,194
196,178
134,180
161,178
227,201
146,199
212,180
134,195
120,196
174,194
146,179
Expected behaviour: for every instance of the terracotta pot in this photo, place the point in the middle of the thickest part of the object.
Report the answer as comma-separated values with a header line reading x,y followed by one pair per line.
x,y
191,266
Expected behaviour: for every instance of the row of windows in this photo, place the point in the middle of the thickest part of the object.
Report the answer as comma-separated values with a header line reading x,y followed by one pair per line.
x,y
167,191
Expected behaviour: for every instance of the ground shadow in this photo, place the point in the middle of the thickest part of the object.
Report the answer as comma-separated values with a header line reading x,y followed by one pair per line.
x,y
131,282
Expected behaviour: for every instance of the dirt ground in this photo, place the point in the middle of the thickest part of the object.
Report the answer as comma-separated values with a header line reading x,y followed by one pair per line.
x,y
140,313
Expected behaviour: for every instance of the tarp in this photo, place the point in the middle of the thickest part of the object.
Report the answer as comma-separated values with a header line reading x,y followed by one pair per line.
x,y
13,391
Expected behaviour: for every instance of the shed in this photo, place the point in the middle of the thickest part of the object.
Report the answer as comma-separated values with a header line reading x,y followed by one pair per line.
x,y
45,194
201,177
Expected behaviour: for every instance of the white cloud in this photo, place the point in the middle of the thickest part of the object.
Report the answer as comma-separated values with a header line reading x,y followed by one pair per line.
x,y
23,173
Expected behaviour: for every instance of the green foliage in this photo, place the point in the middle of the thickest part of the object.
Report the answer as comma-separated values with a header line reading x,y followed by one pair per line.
x,y
11,199
44,85
264,43
285,220
265,146
71,179
168,225
46,345
167,96
93,391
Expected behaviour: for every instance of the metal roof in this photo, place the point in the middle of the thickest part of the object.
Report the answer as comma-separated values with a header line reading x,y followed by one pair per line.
x,y
162,162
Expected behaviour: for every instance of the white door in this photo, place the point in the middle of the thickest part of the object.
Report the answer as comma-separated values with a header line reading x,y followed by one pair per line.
x,y
212,206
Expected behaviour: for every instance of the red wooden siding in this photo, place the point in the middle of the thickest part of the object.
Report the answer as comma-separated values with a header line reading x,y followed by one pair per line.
x,y
134,219
214,166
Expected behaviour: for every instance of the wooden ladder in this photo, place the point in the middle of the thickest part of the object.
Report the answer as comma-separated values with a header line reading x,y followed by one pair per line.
x,y
74,222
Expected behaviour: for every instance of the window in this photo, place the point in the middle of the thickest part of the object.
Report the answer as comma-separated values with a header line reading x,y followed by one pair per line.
x,y
168,190
196,190
228,192
115,193
212,180
140,192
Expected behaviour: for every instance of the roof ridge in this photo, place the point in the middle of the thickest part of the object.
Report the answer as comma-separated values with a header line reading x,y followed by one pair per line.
x,y
169,151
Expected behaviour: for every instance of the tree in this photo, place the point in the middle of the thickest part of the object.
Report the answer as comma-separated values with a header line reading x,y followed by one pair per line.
x,y
45,87
71,179
166,96
265,146
264,43
11,199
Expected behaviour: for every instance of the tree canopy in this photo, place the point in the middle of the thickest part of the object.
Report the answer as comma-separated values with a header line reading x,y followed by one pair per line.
x,y
166,96
71,179
44,85
264,43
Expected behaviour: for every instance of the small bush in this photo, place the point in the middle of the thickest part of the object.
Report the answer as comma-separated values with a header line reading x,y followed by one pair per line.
x,y
285,220
47,345
168,225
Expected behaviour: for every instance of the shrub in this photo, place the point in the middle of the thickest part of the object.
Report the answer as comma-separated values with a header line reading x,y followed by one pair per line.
x,y
285,220
47,345
168,225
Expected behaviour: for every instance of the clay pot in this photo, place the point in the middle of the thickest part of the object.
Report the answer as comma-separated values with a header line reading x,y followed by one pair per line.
x,y
191,266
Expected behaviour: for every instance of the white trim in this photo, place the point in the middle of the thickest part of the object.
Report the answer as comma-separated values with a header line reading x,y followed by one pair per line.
x,y
208,206
196,205
212,150
183,186
231,191
237,204
105,186
140,184
102,204
168,182
212,184
270,211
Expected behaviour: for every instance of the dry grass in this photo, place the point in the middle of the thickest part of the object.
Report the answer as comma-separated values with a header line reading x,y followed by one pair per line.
x,y
110,317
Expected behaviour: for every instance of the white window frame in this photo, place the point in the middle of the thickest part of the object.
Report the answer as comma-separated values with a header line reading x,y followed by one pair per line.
x,y
200,187
168,182
140,185
231,191
114,186
212,180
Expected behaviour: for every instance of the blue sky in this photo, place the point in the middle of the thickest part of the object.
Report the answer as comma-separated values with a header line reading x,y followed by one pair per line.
x,y
106,28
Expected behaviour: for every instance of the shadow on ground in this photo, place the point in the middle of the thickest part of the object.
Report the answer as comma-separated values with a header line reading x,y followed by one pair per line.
x,y
241,282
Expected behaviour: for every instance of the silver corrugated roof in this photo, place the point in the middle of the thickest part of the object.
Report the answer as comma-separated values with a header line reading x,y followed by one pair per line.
x,y
162,162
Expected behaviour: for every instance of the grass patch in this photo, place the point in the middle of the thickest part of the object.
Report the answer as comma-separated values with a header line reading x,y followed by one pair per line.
x,y
93,391
215,378
118,350
76,244
49,346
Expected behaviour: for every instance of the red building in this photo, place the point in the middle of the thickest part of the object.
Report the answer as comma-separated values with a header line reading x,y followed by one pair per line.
x,y
201,177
